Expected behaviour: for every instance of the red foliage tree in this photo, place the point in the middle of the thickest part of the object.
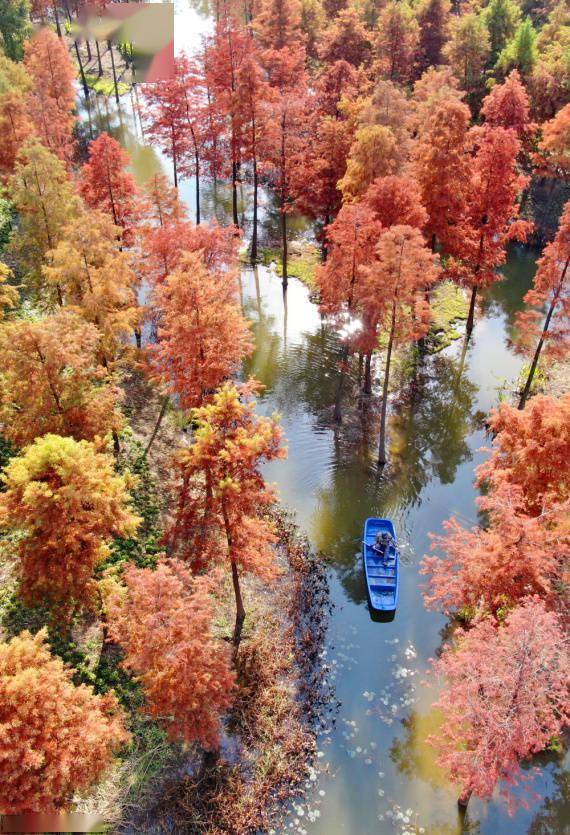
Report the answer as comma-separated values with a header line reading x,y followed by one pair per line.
x,y
62,736
442,169
51,101
492,210
550,290
396,201
488,570
346,39
282,141
164,247
508,106
433,20
396,41
166,119
505,697
222,495
554,158
394,299
278,29
106,185
163,621
202,336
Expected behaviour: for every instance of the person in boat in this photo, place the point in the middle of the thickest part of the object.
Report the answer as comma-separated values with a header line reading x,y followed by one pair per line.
x,y
382,543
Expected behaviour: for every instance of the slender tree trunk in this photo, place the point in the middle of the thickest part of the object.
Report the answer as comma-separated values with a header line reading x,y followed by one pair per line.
x,y
253,255
110,47
382,442
368,373
99,58
531,373
116,444
88,45
234,194
161,414
81,71
240,610
471,317
463,800
57,23
284,242
174,165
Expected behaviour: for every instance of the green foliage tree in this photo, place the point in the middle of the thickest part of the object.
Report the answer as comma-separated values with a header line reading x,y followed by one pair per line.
x,y
14,27
521,51
502,18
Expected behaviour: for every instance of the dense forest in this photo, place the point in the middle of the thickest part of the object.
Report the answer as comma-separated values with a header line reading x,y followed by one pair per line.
x,y
164,663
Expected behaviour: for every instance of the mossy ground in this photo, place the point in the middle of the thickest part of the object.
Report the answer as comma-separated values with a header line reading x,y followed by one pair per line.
x,y
302,262
106,86
449,305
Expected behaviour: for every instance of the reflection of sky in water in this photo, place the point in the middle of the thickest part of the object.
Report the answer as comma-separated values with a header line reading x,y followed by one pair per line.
x,y
379,762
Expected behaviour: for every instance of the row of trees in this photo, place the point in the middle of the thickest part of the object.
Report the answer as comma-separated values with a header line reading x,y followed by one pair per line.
x,y
84,239
504,677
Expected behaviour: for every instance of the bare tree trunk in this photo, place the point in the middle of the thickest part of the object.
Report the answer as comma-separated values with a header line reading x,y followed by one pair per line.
x,y
471,317
285,280
253,254
110,47
81,72
161,414
234,195
240,609
57,23
463,800
367,389
382,442
99,57
338,398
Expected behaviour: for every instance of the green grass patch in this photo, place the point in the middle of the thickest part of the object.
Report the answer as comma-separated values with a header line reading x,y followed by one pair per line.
x,y
302,265
449,306
105,85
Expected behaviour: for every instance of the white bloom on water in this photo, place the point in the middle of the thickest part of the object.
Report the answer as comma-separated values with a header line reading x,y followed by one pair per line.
x,y
380,774
368,761
322,792
320,754
409,812
373,745
381,792
358,750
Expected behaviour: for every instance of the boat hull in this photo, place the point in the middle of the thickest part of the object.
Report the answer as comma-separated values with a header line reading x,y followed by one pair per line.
x,y
381,572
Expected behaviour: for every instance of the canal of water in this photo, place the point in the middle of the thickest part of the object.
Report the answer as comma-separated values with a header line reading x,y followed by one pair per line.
x,y
376,773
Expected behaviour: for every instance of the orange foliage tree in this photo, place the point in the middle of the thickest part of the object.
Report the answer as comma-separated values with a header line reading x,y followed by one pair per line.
x,y
222,497
491,210
505,697
15,123
531,451
163,621
396,41
508,106
52,380
51,101
394,299
202,335
442,168
550,290
62,737
106,185
524,548
554,156
95,278
488,570
67,502
396,201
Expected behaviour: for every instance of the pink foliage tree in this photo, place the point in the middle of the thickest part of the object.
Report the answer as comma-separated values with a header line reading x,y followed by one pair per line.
x,y
505,698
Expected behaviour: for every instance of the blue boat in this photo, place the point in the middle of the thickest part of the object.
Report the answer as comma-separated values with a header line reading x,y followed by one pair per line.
x,y
381,565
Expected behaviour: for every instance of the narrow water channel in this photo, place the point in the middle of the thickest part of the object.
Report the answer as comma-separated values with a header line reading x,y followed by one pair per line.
x,y
376,774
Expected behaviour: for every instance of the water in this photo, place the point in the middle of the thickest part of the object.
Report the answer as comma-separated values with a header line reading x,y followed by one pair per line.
x,y
375,763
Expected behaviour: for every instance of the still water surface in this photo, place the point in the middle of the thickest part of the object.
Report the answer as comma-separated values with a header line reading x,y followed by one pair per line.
x,y
376,773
